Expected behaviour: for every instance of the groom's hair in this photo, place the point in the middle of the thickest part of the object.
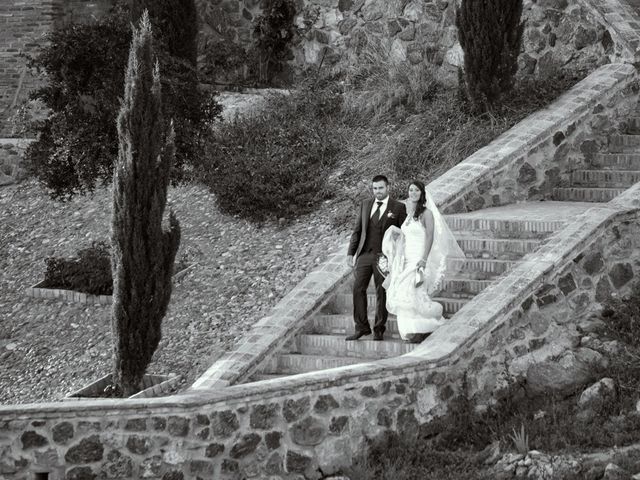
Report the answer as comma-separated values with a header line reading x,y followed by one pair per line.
x,y
380,178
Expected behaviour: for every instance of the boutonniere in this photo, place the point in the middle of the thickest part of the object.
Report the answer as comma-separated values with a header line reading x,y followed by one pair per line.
x,y
391,215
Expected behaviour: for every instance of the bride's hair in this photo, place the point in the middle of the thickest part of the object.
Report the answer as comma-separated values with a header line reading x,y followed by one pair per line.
x,y
421,206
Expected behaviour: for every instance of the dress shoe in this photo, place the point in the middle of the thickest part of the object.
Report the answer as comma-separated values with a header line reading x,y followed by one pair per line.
x,y
357,335
378,336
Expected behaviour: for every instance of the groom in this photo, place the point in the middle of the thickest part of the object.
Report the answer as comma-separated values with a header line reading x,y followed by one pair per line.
x,y
374,217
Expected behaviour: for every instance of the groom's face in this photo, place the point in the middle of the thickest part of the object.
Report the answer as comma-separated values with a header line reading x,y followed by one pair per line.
x,y
380,190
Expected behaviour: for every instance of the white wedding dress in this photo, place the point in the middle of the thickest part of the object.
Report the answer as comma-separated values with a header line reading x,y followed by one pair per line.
x,y
415,311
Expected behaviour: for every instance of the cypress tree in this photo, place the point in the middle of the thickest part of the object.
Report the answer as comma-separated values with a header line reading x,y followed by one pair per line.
x,y
143,251
175,23
490,34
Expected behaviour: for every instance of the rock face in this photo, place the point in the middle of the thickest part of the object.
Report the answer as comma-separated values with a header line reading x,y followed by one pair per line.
x,y
564,375
597,394
416,31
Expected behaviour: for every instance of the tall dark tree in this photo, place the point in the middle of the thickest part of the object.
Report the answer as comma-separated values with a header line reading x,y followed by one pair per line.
x,y
175,23
490,33
143,251
274,31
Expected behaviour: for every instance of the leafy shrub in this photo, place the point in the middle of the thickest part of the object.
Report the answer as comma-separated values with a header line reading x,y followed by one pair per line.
x,y
227,62
397,457
446,132
622,318
622,323
84,66
89,272
378,85
275,163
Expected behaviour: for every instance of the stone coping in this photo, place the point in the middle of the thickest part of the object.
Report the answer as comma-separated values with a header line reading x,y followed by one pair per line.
x,y
269,334
21,141
622,21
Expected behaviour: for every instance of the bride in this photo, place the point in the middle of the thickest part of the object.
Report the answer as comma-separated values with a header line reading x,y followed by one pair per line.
x,y
419,254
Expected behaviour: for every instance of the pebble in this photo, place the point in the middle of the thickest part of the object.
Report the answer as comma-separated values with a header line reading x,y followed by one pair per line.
x,y
209,311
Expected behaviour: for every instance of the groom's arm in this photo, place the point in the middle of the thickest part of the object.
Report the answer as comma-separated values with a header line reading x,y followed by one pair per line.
x,y
403,213
355,236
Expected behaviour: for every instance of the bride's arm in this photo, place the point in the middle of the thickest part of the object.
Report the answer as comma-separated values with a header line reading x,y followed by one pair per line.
x,y
427,221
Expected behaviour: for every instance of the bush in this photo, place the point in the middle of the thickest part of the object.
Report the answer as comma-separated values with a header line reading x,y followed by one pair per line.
x,y
623,318
379,86
84,66
398,457
89,272
490,35
274,164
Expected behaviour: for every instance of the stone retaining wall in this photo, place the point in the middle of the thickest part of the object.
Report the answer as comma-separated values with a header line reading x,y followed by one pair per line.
x,y
23,23
557,32
348,32
297,425
11,154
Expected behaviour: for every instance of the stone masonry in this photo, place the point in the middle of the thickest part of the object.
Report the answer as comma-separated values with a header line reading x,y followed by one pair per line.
x,y
309,425
303,424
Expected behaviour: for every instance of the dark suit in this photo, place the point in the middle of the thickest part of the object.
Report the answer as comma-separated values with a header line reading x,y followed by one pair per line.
x,y
365,245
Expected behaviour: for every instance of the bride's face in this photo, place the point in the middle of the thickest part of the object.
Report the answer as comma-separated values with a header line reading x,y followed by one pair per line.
x,y
414,193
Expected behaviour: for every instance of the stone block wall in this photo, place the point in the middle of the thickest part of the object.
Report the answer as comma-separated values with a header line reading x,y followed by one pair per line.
x,y
556,33
84,10
342,32
600,258
23,24
11,154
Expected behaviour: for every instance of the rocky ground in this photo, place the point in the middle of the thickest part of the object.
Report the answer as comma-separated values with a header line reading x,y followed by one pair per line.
x,y
49,347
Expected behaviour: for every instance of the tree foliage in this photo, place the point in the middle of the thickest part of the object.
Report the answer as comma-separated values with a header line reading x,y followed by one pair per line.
x,y
490,33
143,252
274,30
84,66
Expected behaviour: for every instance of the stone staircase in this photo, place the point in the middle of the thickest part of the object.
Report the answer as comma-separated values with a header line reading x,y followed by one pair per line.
x,y
494,240
611,173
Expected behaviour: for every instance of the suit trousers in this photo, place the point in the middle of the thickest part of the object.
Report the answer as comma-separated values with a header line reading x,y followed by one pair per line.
x,y
364,268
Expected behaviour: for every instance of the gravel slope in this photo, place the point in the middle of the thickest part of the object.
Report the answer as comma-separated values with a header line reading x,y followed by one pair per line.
x,y
49,348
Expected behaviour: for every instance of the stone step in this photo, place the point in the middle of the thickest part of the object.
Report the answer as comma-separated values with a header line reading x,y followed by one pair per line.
x,y
486,268
624,143
470,286
616,161
342,303
605,178
343,325
291,363
586,194
465,285
498,248
503,228
337,346
633,125
471,269
258,377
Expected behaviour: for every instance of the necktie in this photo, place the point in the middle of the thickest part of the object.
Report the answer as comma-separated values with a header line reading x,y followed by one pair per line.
x,y
377,212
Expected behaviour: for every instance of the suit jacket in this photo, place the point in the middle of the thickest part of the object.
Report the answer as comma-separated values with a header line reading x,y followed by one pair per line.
x,y
395,214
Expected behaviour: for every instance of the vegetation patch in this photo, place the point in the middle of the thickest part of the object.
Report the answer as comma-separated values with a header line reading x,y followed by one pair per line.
x,y
518,423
